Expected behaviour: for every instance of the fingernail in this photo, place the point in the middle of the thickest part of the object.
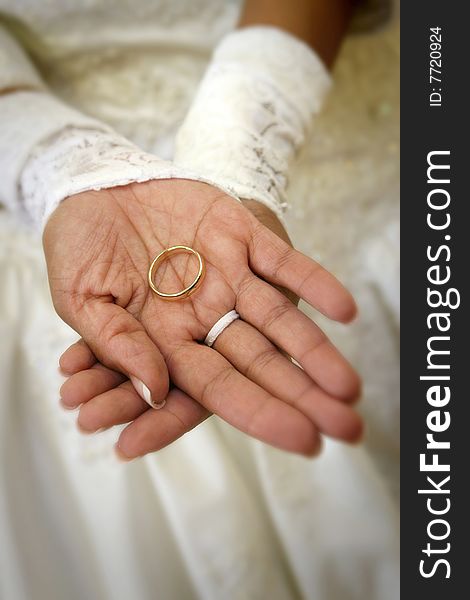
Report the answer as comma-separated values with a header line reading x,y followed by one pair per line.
x,y
90,431
120,454
145,394
142,390
100,430
67,407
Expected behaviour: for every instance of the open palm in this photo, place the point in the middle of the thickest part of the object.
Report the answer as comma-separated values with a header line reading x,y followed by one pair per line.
x,y
98,248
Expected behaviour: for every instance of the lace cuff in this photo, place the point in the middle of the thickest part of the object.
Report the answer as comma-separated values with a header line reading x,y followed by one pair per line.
x,y
78,160
251,113
50,151
26,120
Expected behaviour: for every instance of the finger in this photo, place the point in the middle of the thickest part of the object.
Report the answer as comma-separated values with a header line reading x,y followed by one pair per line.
x,y
265,308
77,357
116,406
280,264
85,385
154,430
121,343
253,355
227,393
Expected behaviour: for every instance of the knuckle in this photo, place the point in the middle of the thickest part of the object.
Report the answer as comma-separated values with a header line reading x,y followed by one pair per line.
x,y
269,250
258,238
276,313
257,418
245,287
210,395
311,273
320,341
177,355
116,332
279,260
261,361
111,328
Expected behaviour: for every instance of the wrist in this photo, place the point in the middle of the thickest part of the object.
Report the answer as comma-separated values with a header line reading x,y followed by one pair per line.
x,y
79,160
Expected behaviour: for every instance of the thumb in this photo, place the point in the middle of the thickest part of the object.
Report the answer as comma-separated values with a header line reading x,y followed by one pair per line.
x,y
120,342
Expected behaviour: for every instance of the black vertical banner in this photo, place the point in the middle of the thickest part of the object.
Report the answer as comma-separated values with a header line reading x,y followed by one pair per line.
x,y
435,258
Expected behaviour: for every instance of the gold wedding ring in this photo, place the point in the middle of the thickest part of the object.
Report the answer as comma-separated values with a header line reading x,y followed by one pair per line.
x,y
165,255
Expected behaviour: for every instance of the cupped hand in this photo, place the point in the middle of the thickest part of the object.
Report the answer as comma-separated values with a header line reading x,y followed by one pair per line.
x,y
98,248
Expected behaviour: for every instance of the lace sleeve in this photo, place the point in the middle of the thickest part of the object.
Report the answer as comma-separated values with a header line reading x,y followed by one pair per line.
x,y
76,160
255,105
252,112
28,115
49,151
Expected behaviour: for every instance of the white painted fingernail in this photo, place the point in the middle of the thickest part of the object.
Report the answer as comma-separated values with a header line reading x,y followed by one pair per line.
x,y
145,394
142,390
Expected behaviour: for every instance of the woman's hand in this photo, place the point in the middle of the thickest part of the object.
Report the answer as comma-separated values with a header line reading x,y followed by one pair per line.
x,y
98,248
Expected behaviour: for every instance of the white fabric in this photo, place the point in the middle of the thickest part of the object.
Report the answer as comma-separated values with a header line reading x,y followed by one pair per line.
x,y
216,515
26,119
16,70
219,326
77,160
256,104
50,151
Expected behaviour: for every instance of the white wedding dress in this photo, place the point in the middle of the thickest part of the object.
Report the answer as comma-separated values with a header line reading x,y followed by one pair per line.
x,y
216,515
